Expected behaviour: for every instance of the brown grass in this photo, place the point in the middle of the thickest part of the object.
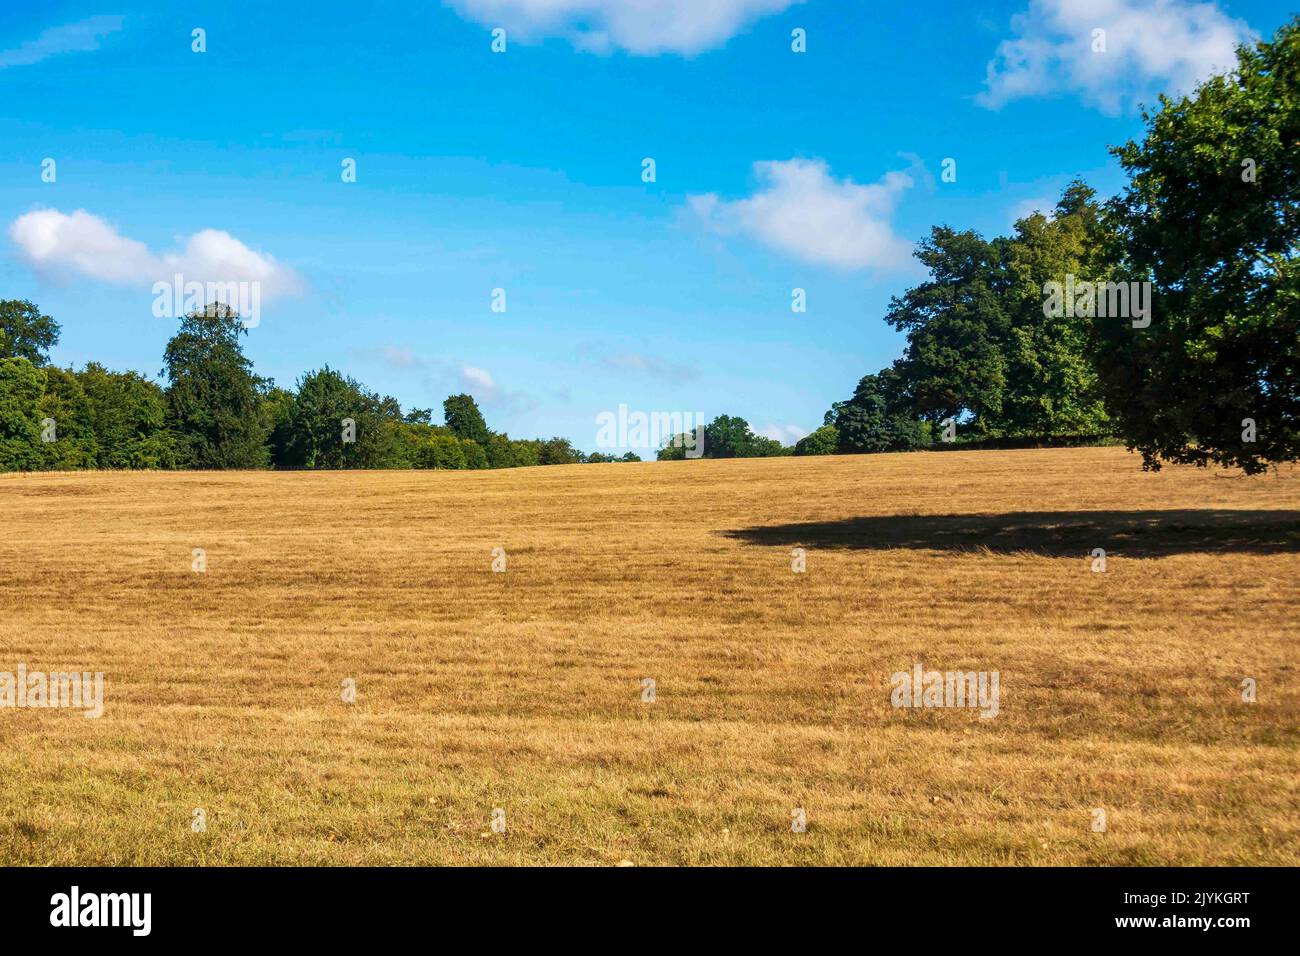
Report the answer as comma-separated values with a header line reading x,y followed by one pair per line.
x,y
522,690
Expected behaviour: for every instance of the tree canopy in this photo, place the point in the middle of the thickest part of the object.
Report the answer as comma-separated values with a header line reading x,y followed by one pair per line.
x,y
25,332
463,417
981,349
1211,217
212,393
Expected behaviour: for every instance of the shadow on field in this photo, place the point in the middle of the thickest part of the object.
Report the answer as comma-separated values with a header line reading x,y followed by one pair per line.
x,y
1134,534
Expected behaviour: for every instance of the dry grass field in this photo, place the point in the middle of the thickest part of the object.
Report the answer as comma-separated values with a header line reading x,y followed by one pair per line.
x,y
522,690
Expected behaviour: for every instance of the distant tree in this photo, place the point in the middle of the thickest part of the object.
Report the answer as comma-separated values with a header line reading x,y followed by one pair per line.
x,y
823,441
464,419
104,419
277,423
21,386
957,327
676,447
982,348
600,458
526,452
1211,216
728,436
500,451
324,400
25,332
335,422
878,417
64,402
127,415
764,447
475,456
558,451
1051,384
213,397
440,451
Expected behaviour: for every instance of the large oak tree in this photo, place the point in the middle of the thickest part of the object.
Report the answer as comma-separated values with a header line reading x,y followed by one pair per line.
x,y
1211,217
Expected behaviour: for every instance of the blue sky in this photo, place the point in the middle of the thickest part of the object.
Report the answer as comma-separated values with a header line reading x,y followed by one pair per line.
x,y
522,171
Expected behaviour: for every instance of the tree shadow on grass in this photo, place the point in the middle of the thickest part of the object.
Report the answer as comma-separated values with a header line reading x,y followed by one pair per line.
x,y
1135,534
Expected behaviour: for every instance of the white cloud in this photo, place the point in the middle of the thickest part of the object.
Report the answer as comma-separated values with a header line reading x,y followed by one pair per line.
x,y
76,37
785,434
1151,46
440,375
477,378
62,245
51,241
802,210
639,26
484,387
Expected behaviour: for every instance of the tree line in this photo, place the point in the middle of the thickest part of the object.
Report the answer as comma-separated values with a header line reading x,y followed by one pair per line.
x,y
215,412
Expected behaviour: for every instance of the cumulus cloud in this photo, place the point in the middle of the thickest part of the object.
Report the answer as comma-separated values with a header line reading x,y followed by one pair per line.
x,y
478,379
76,37
64,245
644,27
1151,46
785,434
480,383
440,375
802,210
